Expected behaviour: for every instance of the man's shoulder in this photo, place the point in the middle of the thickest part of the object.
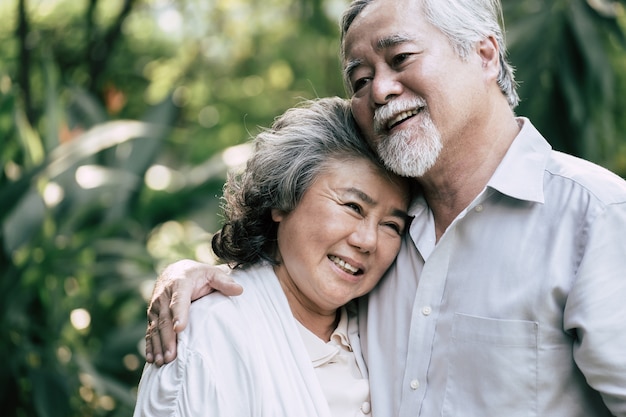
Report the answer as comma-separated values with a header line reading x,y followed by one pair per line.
x,y
598,181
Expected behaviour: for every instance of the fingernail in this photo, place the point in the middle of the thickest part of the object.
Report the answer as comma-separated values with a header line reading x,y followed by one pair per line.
x,y
176,323
158,359
149,357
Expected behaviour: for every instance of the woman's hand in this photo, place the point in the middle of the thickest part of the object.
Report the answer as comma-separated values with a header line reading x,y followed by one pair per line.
x,y
178,285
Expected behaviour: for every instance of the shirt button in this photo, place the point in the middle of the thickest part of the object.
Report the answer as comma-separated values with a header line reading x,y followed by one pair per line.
x,y
479,208
415,384
426,311
366,408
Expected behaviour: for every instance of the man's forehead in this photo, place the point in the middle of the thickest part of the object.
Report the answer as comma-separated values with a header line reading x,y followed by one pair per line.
x,y
383,27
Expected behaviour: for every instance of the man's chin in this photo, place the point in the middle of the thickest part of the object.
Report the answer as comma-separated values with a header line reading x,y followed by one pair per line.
x,y
409,172
406,162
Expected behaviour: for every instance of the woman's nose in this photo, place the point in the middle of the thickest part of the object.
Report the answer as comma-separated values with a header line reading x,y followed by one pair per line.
x,y
365,237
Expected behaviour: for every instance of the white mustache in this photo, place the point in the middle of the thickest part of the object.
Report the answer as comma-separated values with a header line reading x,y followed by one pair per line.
x,y
383,114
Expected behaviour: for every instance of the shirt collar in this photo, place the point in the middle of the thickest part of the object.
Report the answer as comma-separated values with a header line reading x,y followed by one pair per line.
x,y
321,352
521,171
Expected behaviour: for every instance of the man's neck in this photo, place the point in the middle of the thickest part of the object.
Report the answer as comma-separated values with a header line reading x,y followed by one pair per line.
x,y
461,174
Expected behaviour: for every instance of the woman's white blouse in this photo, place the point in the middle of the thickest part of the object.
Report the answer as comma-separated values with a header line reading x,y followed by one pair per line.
x,y
342,382
244,356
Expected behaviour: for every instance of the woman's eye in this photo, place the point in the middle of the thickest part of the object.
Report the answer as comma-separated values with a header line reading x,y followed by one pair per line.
x,y
395,227
354,207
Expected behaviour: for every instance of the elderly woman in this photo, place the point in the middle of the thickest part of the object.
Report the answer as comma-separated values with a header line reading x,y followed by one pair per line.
x,y
312,223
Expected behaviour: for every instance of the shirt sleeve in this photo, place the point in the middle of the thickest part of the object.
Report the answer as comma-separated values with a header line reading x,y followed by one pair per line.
x,y
182,388
596,308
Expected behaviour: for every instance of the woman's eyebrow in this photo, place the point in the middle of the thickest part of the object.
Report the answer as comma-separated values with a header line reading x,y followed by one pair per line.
x,y
369,200
360,194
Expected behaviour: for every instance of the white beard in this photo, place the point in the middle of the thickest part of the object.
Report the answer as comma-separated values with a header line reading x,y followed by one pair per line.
x,y
412,151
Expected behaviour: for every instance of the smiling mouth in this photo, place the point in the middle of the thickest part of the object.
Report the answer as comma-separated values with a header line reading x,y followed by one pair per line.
x,y
401,117
344,265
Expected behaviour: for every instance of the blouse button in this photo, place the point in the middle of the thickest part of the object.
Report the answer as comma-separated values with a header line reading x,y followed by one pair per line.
x,y
366,408
426,310
479,208
415,384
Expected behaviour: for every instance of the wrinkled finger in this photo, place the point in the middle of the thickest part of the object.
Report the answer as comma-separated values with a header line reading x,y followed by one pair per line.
x,y
167,339
179,306
149,351
154,351
223,282
156,312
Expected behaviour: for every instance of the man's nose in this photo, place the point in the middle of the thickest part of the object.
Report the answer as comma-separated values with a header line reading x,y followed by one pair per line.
x,y
385,86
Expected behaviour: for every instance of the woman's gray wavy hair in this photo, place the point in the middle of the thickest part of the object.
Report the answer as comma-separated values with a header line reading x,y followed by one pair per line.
x,y
287,158
464,22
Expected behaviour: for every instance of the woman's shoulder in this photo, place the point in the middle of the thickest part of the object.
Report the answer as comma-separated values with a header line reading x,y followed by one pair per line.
x,y
217,311
255,280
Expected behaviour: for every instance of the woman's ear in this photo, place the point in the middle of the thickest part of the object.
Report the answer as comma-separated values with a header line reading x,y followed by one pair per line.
x,y
278,215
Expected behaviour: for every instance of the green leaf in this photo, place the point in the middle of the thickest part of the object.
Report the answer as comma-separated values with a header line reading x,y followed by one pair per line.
x,y
24,222
50,393
29,139
592,48
83,109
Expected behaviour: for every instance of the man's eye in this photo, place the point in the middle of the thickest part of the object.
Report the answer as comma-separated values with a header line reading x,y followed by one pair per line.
x,y
359,84
399,59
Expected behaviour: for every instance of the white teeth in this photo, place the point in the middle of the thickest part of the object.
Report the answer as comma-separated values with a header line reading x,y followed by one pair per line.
x,y
402,116
344,265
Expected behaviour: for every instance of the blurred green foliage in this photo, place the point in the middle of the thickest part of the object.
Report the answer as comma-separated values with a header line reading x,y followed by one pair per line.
x,y
571,64
119,119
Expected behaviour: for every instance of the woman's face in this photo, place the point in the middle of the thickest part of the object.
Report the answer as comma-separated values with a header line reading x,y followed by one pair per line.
x,y
343,235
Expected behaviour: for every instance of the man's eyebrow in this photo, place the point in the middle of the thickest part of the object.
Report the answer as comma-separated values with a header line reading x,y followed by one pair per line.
x,y
383,43
350,67
392,40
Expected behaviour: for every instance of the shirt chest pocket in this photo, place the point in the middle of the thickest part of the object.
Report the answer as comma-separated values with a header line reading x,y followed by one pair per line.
x,y
492,368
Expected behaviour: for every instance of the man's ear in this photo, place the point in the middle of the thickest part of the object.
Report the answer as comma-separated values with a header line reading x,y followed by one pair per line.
x,y
489,53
